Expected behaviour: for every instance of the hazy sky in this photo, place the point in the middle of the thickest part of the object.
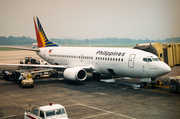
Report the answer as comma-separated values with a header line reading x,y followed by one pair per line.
x,y
81,19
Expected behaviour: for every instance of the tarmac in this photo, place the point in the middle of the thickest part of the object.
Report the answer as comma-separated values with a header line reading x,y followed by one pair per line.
x,y
110,99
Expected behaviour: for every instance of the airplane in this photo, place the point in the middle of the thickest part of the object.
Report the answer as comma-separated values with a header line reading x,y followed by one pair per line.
x,y
77,61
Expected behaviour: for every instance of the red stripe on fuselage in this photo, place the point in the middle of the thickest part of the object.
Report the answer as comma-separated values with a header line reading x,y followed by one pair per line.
x,y
40,44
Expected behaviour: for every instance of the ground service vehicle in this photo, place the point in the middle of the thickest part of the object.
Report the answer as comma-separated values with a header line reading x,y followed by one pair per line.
x,y
27,82
42,62
35,74
43,73
174,83
52,111
17,74
30,60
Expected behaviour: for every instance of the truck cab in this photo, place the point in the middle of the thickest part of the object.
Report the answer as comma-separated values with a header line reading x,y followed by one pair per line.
x,y
52,111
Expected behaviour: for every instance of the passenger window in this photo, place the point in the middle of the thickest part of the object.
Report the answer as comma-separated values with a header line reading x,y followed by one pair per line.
x,y
50,113
63,111
122,59
60,111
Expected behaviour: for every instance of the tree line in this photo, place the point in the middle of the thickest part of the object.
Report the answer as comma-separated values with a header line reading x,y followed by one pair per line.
x,y
29,41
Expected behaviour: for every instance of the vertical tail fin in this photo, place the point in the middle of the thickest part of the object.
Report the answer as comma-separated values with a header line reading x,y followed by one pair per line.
x,y
42,39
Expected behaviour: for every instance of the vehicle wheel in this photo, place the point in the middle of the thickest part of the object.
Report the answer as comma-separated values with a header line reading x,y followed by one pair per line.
x,y
38,77
142,85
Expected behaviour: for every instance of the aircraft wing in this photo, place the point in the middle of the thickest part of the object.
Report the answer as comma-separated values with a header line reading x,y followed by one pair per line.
x,y
21,48
88,68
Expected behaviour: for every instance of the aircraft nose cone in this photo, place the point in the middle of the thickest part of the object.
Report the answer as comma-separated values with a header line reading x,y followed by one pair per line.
x,y
168,68
165,69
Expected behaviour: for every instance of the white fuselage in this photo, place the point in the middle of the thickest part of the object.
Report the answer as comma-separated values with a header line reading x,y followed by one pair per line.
x,y
125,62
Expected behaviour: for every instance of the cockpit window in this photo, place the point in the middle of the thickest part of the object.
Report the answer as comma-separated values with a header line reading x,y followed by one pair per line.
x,y
145,59
155,59
151,59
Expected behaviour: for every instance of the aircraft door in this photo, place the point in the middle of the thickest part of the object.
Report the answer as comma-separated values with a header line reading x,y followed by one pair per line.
x,y
81,57
131,61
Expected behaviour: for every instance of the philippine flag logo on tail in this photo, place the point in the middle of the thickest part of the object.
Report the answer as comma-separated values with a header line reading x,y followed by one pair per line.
x,y
50,50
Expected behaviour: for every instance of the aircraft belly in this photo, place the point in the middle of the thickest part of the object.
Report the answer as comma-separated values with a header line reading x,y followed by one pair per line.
x,y
112,69
101,68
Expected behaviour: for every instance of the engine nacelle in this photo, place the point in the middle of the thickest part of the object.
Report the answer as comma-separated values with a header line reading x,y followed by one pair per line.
x,y
75,74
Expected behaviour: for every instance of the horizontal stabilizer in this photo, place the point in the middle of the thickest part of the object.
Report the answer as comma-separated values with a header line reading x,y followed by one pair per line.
x,y
21,48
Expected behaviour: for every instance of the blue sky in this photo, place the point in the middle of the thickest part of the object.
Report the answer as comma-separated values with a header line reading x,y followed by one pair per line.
x,y
80,19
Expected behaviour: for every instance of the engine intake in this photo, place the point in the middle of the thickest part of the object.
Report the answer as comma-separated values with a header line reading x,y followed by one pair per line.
x,y
75,74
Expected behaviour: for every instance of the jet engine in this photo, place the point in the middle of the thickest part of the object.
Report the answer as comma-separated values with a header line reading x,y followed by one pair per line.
x,y
75,74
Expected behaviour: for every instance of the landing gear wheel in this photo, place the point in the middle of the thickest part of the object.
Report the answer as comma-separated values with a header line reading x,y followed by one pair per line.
x,y
96,76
